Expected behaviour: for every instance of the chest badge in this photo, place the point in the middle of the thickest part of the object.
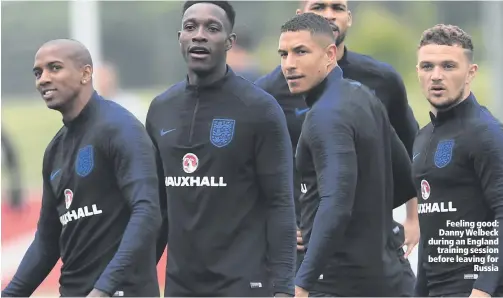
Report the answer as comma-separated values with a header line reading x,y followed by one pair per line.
x,y
425,190
85,161
68,197
443,155
190,162
222,132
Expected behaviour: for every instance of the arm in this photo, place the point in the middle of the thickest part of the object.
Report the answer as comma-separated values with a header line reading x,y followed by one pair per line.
x,y
488,165
133,157
274,164
43,253
421,289
403,121
403,184
332,144
162,240
400,114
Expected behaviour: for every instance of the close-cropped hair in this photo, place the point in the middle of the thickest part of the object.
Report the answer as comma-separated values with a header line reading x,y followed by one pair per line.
x,y
448,35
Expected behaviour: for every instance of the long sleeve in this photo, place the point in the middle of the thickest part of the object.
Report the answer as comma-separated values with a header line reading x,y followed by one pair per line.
x,y
43,252
400,114
331,141
488,165
403,185
274,165
162,239
133,157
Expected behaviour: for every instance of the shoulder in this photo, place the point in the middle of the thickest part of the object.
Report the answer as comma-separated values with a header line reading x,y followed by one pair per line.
x,y
378,69
485,125
351,90
269,81
168,95
115,119
250,93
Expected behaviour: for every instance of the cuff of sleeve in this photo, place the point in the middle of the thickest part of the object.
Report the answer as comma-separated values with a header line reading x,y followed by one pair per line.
x,y
484,288
105,286
284,289
302,283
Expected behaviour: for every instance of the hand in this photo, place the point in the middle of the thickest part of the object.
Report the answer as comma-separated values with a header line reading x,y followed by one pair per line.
x,y
300,292
478,293
411,230
300,242
282,295
97,293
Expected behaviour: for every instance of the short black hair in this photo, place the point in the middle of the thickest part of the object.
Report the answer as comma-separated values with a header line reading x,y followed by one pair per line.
x,y
77,51
448,35
225,5
309,22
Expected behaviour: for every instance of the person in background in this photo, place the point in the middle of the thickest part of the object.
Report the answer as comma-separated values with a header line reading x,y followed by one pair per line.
x,y
11,160
106,83
239,57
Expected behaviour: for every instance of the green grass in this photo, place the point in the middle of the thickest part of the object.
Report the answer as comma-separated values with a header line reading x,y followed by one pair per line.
x,y
32,126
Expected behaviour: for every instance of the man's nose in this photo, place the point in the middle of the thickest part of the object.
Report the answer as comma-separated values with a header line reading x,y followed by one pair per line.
x,y
437,74
200,35
44,79
290,62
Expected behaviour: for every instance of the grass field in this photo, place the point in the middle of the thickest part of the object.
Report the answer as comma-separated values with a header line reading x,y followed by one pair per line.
x,y
32,125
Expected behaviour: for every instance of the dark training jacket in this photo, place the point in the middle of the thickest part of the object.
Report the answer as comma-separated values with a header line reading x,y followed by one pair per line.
x,y
227,168
100,208
458,174
352,165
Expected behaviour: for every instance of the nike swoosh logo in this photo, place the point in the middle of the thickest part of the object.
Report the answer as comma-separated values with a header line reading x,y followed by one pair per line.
x,y
54,174
300,112
163,132
415,155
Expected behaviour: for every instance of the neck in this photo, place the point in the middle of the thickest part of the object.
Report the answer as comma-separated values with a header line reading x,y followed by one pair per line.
x,y
207,79
331,67
340,51
464,96
77,105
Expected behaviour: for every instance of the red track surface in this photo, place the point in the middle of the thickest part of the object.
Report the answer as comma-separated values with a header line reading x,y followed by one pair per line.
x,y
21,225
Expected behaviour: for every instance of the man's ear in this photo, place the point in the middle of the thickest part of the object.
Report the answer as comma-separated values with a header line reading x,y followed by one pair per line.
x,y
331,52
298,11
179,33
87,74
472,71
350,18
231,40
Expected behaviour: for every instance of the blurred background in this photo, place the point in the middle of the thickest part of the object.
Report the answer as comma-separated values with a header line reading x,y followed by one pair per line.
x,y
135,45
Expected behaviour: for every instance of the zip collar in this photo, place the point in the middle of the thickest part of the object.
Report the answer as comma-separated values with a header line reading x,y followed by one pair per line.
x,y
314,94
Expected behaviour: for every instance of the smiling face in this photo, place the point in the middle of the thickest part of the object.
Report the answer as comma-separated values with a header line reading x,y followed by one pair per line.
x,y
305,59
205,37
58,77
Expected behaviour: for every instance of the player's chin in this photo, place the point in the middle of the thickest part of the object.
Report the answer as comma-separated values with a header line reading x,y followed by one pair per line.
x,y
440,103
54,103
297,87
200,67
